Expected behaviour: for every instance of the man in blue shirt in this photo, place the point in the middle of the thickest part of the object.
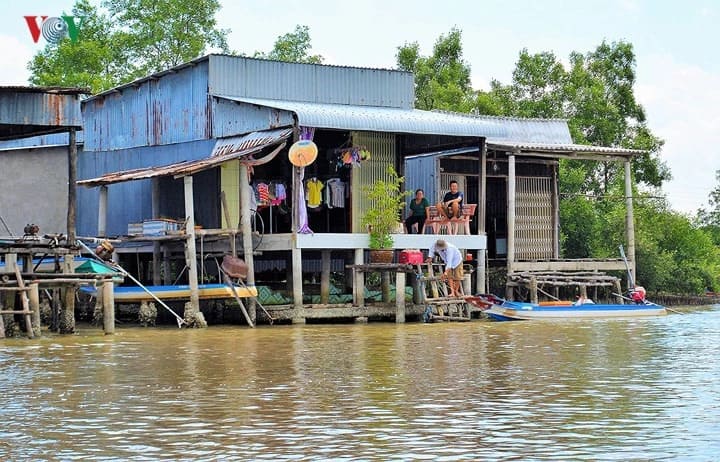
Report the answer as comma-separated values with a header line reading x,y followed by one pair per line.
x,y
453,260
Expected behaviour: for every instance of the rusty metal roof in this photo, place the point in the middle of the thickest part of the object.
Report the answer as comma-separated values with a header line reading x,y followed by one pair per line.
x,y
32,111
244,148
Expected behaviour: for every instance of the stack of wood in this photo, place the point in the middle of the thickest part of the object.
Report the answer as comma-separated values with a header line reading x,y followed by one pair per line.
x,y
541,281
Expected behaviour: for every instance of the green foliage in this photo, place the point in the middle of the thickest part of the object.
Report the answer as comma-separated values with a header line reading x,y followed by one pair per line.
x,y
90,62
709,219
162,34
135,38
596,95
442,80
387,200
292,47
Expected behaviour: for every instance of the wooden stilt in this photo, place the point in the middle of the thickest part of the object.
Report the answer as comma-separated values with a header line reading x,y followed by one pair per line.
x,y
34,296
25,303
67,319
229,283
399,297
108,304
325,278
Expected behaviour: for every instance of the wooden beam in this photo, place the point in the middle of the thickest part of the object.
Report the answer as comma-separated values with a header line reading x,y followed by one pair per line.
x,y
630,220
511,214
245,191
191,253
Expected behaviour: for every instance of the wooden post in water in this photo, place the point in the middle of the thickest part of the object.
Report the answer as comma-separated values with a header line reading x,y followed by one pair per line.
x,y
481,276
34,296
325,278
108,304
155,211
385,286
359,280
245,191
618,292
191,253
400,297
533,289
72,191
66,323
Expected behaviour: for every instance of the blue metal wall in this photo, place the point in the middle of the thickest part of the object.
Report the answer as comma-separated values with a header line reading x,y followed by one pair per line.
x,y
56,139
256,78
233,118
129,202
163,109
420,172
25,106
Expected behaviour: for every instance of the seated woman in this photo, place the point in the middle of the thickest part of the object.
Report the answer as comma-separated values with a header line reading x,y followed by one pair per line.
x,y
417,212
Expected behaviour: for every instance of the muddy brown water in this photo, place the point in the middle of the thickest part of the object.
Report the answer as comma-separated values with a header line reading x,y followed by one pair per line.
x,y
588,390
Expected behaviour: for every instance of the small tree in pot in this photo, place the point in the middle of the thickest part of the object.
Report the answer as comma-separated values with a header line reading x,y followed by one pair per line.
x,y
387,200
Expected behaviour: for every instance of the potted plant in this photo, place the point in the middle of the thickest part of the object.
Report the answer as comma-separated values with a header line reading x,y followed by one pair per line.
x,y
387,200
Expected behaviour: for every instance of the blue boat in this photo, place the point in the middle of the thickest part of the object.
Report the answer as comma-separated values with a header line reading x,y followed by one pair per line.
x,y
505,310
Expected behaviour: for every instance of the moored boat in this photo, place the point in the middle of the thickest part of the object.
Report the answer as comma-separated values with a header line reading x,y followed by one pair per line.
x,y
506,310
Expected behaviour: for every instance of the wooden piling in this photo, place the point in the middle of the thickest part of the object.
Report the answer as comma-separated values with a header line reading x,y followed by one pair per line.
x,y
400,297
325,278
66,324
108,304
34,296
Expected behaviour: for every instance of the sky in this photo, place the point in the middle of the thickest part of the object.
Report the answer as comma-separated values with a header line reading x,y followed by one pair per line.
x,y
675,43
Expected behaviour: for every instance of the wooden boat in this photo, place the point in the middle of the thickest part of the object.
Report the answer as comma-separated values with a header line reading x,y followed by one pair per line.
x,y
518,311
134,294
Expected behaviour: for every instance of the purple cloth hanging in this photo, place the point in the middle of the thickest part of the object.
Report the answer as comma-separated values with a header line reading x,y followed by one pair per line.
x,y
303,227
306,133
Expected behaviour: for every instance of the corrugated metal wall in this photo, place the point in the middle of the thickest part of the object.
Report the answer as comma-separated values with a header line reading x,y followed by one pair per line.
x,y
420,174
247,77
129,201
170,109
382,154
230,118
533,219
47,110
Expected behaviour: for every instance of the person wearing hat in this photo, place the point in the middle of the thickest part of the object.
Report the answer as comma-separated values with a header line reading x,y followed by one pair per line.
x,y
453,260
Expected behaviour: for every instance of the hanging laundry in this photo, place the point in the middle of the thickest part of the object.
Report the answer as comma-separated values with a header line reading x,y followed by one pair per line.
x,y
263,193
335,193
314,192
277,190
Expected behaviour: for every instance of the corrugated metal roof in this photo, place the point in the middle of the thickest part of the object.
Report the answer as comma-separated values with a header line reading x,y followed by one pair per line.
x,y
314,83
32,111
225,150
563,150
381,119
529,130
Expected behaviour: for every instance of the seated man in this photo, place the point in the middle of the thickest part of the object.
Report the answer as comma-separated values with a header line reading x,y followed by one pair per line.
x,y
451,205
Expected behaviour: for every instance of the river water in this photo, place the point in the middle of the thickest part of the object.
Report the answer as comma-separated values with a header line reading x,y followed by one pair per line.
x,y
576,390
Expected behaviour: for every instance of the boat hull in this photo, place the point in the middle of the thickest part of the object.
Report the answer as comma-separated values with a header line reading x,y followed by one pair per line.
x,y
179,292
518,311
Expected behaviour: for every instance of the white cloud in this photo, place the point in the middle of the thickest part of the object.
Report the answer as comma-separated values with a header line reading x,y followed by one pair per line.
x,y
14,52
683,108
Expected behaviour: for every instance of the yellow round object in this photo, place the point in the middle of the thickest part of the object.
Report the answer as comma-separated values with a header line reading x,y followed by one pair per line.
x,y
303,153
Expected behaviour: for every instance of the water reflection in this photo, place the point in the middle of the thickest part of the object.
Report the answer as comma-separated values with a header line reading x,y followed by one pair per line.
x,y
642,390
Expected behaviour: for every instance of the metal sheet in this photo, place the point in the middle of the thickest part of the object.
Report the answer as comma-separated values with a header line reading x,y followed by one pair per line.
x,y
381,119
223,151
